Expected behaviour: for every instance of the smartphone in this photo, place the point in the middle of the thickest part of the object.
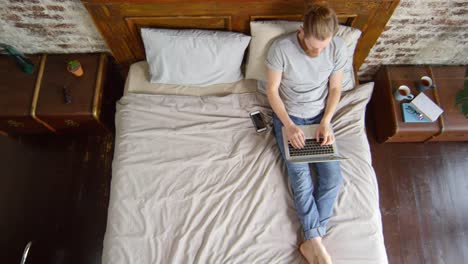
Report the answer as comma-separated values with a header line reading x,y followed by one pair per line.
x,y
258,121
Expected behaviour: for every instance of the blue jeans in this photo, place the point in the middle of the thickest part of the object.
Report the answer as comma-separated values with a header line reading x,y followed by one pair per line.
x,y
314,208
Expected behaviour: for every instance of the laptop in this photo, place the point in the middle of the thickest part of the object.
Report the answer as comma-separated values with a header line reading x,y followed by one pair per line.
x,y
312,152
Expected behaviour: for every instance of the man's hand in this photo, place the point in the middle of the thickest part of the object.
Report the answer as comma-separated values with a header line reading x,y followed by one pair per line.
x,y
324,131
296,136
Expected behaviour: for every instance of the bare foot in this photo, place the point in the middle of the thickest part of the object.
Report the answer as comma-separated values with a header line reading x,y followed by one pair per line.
x,y
307,250
315,252
322,255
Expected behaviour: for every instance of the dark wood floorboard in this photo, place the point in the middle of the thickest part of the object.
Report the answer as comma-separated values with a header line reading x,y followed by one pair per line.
x,y
423,197
54,192
424,200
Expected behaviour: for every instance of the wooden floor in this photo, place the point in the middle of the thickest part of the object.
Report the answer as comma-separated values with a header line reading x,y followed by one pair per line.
x,y
424,200
423,189
54,192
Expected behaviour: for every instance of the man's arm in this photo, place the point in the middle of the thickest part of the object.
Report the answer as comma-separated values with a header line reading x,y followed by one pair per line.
x,y
293,133
334,94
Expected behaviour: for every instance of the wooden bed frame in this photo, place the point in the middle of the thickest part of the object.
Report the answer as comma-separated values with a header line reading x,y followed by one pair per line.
x,y
119,21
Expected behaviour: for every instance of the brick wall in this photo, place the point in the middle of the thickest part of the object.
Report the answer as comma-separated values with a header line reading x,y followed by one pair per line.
x,y
420,31
60,26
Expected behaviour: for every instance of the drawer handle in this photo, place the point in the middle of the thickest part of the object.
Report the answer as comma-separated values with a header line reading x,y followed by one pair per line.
x,y
14,123
24,258
71,123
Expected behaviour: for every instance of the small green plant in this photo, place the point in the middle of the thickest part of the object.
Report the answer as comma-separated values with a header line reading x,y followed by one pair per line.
x,y
73,65
461,100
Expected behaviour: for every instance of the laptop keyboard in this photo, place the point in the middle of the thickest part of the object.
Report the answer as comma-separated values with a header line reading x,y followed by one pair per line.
x,y
312,147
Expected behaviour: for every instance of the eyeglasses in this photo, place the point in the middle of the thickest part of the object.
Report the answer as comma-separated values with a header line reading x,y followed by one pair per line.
x,y
411,110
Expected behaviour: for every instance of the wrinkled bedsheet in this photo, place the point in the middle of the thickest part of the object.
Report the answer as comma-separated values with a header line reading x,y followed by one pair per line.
x,y
194,183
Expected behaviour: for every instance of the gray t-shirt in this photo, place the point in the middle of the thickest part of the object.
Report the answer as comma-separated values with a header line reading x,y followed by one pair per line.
x,y
304,82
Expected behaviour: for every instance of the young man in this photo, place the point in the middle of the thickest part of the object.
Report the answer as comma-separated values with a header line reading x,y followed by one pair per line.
x,y
304,78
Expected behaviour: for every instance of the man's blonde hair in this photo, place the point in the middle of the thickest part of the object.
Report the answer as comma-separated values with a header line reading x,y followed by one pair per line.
x,y
320,22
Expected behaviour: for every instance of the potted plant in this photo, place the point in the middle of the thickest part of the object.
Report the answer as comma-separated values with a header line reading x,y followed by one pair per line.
x,y
462,97
74,67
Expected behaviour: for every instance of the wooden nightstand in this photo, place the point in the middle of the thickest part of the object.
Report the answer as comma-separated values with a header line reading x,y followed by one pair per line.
x,y
17,92
83,114
93,96
386,111
450,80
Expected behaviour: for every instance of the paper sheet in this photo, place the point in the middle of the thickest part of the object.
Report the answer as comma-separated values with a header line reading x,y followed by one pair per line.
x,y
427,107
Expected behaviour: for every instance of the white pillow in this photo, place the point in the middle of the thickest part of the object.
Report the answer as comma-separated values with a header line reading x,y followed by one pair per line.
x,y
194,57
350,110
138,82
265,32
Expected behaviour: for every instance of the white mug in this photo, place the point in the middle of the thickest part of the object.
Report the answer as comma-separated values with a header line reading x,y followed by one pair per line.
x,y
403,92
425,83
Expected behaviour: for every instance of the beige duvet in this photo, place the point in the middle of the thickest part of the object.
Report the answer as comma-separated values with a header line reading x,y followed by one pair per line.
x,y
194,183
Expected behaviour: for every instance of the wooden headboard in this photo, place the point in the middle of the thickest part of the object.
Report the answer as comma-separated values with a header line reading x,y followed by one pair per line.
x,y
119,21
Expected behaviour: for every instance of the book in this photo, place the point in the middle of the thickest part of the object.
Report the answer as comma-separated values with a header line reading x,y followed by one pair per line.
x,y
410,115
426,106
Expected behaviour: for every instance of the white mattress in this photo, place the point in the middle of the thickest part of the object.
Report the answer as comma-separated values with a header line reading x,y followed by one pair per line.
x,y
194,183
138,82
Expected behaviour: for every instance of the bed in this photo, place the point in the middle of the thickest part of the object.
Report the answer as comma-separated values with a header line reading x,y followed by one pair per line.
x,y
193,182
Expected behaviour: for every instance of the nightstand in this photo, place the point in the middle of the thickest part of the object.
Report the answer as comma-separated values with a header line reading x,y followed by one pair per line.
x,y
386,111
450,80
17,91
83,113
41,102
